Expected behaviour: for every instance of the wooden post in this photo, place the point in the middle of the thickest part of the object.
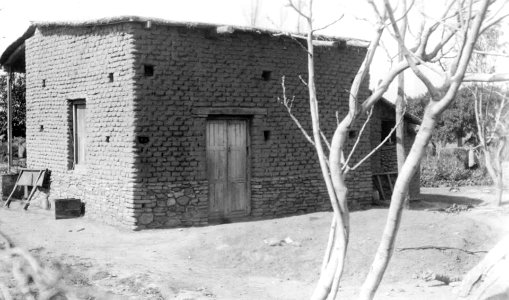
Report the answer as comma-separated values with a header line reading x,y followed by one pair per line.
x,y
9,119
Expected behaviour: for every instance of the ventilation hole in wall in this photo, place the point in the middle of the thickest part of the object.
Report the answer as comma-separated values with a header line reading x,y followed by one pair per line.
x,y
143,205
266,75
41,127
44,83
110,77
266,135
107,139
148,70
143,139
352,134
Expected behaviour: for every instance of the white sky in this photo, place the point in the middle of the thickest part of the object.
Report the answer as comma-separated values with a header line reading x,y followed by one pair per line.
x,y
15,16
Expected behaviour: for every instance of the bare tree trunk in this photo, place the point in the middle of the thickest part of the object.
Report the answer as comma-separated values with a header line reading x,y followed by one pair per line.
x,y
484,276
409,169
401,103
500,171
495,173
500,191
339,238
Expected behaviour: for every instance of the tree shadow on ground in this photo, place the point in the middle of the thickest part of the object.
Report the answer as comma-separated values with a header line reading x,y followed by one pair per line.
x,y
441,202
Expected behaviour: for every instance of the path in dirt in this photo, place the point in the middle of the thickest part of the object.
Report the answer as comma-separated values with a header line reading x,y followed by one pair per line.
x,y
232,261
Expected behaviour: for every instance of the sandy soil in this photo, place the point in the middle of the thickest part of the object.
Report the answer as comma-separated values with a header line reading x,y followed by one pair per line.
x,y
234,261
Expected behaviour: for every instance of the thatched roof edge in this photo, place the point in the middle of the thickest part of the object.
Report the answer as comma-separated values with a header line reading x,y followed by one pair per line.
x,y
18,42
156,21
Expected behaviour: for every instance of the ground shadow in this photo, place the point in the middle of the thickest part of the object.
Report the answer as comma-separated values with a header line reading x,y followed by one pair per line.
x,y
441,202
435,202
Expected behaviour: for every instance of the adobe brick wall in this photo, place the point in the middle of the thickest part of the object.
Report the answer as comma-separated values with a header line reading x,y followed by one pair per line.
x,y
196,69
385,159
162,183
75,63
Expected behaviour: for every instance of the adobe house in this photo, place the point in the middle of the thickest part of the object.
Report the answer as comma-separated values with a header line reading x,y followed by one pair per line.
x,y
159,124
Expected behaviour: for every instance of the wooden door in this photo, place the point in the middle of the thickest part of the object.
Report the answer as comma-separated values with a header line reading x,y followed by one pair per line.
x,y
227,167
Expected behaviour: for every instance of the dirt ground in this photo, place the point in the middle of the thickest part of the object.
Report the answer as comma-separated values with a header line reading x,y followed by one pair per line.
x,y
235,261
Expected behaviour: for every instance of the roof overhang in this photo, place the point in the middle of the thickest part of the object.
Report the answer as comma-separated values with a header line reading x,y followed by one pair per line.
x,y
410,118
13,58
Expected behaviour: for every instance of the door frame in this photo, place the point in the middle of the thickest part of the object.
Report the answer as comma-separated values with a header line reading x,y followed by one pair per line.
x,y
248,120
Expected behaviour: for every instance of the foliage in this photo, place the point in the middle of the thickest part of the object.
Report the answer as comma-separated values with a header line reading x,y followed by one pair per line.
x,y
18,105
457,121
449,168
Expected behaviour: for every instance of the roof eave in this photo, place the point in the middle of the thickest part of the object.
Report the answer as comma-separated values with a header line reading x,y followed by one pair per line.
x,y
13,57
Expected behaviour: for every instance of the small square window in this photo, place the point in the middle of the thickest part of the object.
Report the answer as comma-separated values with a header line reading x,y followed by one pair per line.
x,y
266,75
148,70
386,129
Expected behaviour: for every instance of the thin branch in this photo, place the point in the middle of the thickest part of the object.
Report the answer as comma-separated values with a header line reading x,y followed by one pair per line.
x,y
363,70
387,54
324,138
404,15
330,24
492,22
381,143
297,10
303,81
294,37
287,103
375,9
421,49
491,53
478,77
383,86
439,46
441,248
427,82
345,165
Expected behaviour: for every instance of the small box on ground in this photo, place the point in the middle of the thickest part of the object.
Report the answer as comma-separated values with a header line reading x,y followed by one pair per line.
x,y
67,208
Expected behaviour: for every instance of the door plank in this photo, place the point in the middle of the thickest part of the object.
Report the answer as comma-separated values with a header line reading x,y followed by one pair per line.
x,y
217,165
237,159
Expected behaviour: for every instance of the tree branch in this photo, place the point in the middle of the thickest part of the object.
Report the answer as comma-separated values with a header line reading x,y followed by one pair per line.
x,y
477,77
288,103
488,53
345,165
297,10
381,143
409,56
330,24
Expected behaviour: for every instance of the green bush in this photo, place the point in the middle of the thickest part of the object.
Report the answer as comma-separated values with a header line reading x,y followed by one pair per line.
x,y
449,168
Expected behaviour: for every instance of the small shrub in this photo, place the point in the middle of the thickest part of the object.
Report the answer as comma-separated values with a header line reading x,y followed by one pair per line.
x,y
449,168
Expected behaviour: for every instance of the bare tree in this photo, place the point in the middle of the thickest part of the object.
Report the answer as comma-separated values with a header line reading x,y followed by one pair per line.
x,y
254,12
492,114
491,110
457,28
401,100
